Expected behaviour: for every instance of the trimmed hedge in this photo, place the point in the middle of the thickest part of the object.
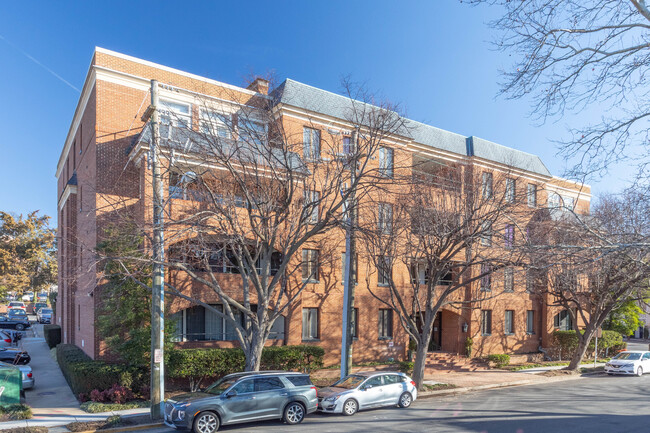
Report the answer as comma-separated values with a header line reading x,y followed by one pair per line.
x,y
567,342
499,360
52,334
84,375
199,364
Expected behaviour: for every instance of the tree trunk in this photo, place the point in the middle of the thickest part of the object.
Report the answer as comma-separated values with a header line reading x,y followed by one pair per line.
x,y
421,359
254,352
583,344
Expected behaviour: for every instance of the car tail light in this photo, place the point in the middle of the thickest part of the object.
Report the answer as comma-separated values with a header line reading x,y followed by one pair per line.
x,y
315,389
413,383
7,340
29,374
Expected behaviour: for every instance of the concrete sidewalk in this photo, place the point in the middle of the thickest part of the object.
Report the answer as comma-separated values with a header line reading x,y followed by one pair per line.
x,y
51,395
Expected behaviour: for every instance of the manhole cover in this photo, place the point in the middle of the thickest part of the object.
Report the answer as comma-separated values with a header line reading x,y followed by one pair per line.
x,y
46,393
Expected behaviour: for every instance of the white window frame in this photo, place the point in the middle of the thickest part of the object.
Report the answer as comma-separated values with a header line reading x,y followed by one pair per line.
x,y
386,161
311,143
170,110
216,122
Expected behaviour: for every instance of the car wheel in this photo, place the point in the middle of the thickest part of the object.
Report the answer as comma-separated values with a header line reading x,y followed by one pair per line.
x,y
294,413
350,407
610,374
405,400
20,327
639,371
206,422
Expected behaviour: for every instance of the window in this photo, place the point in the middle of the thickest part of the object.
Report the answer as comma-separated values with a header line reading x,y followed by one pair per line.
x,y
252,131
311,143
384,270
562,321
386,161
486,322
173,113
486,235
385,323
419,274
385,217
486,279
310,323
554,200
216,124
354,323
511,188
183,187
447,279
486,185
531,193
530,322
299,380
509,236
268,384
347,145
530,281
310,265
244,387
311,205
508,280
509,325
354,260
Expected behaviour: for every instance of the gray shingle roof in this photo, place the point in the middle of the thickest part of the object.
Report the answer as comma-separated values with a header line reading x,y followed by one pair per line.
x,y
310,98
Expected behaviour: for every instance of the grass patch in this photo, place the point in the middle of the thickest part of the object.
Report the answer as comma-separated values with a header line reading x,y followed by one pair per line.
x,y
94,407
27,430
15,412
591,370
438,386
110,422
550,364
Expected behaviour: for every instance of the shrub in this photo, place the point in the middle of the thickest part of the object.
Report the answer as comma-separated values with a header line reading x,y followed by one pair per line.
x,y
93,407
52,334
15,412
85,375
499,360
406,366
196,365
469,343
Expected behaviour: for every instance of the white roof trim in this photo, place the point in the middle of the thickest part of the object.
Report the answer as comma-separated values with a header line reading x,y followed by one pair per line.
x,y
69,189
175,71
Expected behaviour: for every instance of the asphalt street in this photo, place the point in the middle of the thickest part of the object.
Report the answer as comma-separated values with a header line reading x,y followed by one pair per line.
x,y
597,404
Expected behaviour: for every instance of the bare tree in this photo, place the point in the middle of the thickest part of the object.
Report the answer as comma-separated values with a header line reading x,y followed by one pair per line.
x,y
444,227
254,195
594,264
572,55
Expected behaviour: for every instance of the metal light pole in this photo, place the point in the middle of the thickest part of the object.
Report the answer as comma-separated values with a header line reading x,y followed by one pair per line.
x,y
348,284
158,277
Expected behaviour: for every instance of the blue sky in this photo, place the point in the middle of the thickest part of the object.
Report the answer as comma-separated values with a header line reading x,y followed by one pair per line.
x,y
434,58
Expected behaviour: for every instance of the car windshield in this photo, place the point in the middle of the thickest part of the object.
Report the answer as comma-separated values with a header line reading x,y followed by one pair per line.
x,y
349,382
221,385
627,355
16,304
46,311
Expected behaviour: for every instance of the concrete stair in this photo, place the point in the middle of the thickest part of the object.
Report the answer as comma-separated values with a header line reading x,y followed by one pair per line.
x,y
446,362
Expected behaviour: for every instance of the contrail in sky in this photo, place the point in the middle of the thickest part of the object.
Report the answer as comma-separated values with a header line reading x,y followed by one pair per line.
x,y
40,64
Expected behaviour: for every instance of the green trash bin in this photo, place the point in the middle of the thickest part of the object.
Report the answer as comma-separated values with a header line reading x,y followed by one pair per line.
x,y
11,384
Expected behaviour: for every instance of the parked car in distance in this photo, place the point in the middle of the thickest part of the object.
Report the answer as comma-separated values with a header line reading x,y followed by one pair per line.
x,y
366,390
244,397
38,306
44,315
629,362
14,356
14,322
27,373
17,305
9,337
28,297
41,297
17,313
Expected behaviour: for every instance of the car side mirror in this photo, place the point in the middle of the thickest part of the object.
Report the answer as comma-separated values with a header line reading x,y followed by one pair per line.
x,y
366,387
231,393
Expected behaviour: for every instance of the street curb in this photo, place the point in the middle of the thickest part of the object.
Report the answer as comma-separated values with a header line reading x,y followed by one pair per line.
x,y
429,394
122,429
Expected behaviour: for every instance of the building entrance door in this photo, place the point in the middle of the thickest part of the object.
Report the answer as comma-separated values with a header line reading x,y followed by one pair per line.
x,y
435,344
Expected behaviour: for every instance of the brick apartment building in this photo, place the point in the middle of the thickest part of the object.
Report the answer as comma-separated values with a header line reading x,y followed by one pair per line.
x,y
101,170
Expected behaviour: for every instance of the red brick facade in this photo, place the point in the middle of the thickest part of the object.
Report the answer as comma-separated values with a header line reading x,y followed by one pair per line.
x,y
101,180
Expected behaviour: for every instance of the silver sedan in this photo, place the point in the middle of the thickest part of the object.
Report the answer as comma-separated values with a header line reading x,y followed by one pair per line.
x,y
366,390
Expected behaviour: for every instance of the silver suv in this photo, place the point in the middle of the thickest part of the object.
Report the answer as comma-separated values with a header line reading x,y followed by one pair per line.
x,y
244,397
